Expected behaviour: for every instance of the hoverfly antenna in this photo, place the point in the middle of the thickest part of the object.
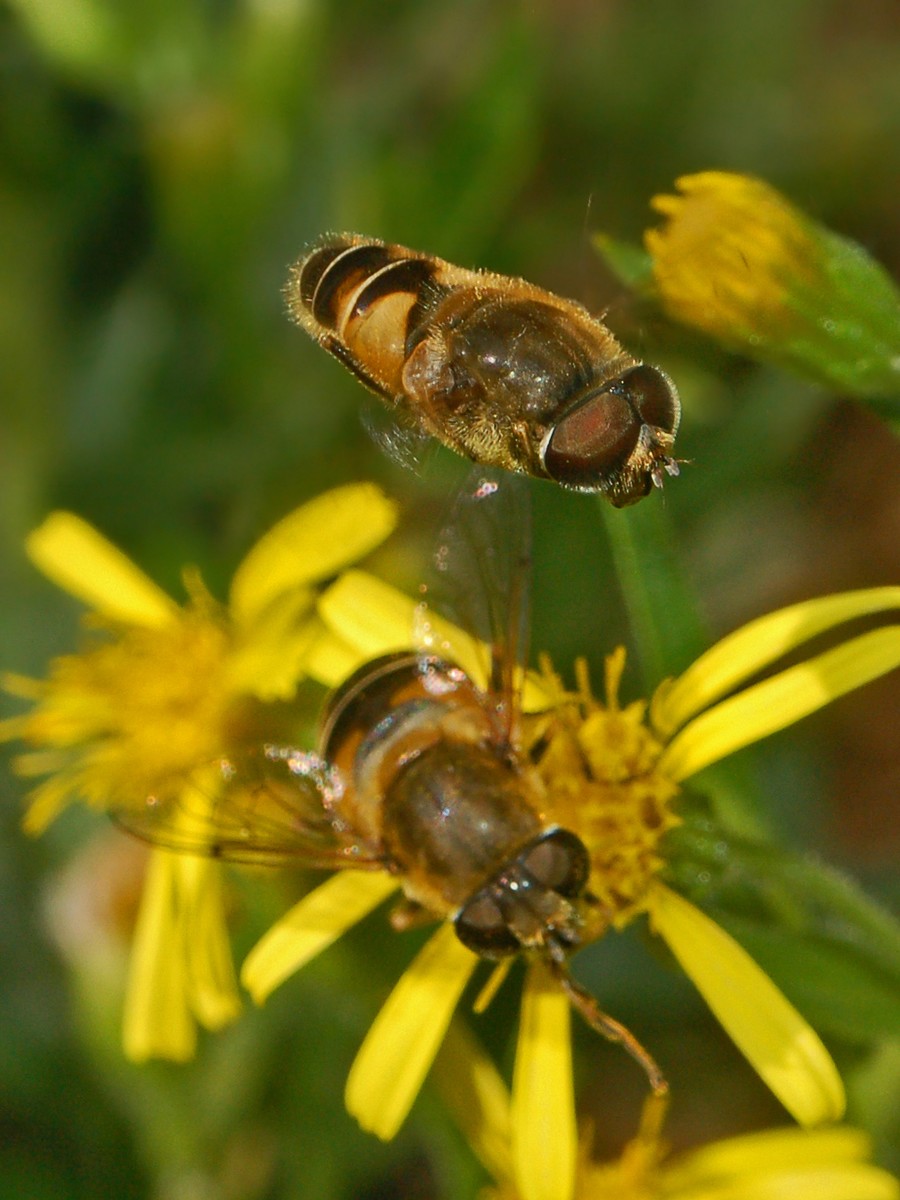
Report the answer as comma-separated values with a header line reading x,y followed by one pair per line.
x,y
591,1012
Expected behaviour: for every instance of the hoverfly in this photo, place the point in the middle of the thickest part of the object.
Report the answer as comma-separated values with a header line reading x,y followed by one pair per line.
x,y
419,772
501,371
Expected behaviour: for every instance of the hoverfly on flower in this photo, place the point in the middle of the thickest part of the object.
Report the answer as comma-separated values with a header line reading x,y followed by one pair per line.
x,y
420,775
521,815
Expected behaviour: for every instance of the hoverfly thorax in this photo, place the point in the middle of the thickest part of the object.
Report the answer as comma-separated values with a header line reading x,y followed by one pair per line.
x,y
501,371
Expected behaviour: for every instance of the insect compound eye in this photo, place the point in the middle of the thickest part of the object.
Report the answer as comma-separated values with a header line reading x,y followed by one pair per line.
x,y
652,395
590,441
559,862
595,439
481,926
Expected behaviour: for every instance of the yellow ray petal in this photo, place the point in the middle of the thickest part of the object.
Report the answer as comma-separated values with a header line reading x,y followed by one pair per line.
x,y
857,1181
158,1022
769,1150
376,618
780,701
764,1025
330,659
213,987
477,1097
22,686
312,925
46,801
399,1048
77,558
545,1139
311,543
269,657
755,646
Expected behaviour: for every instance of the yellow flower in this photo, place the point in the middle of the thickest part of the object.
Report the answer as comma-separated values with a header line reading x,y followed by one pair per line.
x,y
738,261
161,691
821,1164
611,774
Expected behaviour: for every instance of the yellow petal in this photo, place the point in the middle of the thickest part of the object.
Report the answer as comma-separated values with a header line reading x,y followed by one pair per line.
x,y
158,1022
22,686
763,1024
770,1150
780,701
755,646
77,558
330,659
311,926
213,987
376,618
478,1099
399,1048
311,543
269,657
859,1181
545,1138
46,801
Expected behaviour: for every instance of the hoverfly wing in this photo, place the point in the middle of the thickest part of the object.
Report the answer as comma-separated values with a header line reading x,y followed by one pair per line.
x,y
481,580
397,437
275,807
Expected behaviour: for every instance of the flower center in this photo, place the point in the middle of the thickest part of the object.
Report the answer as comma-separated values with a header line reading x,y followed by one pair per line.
x,y
598,765
138,712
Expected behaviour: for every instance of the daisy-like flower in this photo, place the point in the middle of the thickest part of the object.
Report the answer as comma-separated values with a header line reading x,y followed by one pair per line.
x,y
738,261
819,1164
612,774
159,693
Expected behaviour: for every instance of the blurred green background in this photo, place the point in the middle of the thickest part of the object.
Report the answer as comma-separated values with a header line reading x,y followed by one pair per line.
x,y
162,165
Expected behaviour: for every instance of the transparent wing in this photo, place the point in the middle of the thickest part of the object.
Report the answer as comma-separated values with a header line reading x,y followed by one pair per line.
x,y
397,436
481,580
275,807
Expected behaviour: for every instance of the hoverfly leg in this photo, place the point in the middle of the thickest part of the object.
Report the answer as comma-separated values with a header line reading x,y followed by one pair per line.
x,y
407,914
590,1011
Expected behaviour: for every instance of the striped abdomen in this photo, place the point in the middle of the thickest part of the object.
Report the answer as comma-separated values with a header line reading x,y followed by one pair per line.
x,y
362,299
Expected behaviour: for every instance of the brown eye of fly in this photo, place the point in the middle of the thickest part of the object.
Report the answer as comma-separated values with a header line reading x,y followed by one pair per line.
x,y
651,395
481,926
559,862
592,440
603,434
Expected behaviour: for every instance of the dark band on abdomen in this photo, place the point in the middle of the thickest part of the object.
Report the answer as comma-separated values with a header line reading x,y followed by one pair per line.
x,y
402,275
337,277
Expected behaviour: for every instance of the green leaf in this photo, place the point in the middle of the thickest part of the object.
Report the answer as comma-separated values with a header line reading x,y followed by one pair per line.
x,y
668,632
836,988
834,951
631,264
659,598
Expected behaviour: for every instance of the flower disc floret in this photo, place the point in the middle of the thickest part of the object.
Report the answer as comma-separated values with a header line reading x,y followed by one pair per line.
x,y
127,719
598,762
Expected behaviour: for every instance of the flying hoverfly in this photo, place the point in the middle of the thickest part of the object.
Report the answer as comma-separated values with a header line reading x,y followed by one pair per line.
x,y
419,771
501,371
